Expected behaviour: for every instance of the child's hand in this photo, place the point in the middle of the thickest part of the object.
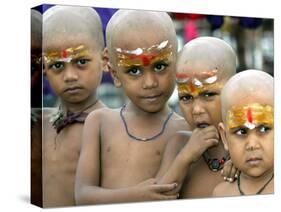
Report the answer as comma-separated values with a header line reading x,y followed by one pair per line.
x,y
149,190
229,172
200,140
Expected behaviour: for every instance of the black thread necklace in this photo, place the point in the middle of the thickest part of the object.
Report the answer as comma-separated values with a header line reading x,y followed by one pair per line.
x,y
60,121
259,191
144,139
214,164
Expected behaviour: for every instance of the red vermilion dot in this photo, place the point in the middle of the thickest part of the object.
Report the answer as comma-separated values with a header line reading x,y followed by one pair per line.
x,y
145,60
64,53
250,115
192,88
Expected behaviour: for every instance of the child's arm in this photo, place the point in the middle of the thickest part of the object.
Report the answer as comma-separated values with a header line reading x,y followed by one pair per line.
x,y
87,184
176,170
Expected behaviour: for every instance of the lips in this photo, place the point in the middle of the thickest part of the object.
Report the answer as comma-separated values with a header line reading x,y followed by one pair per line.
x,y
73,89
152,97
254,161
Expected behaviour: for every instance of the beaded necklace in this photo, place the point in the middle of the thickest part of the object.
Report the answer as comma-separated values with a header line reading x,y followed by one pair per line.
x,y
144,139
214,164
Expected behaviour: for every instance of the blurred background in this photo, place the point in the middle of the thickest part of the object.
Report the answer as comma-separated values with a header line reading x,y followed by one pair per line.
x,y
251,38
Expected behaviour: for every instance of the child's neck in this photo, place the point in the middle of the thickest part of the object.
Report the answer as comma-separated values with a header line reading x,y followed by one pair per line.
x,y
86,105
253,185
136,111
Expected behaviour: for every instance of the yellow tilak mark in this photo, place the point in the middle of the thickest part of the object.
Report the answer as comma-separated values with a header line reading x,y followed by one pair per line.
x,y
66,55
189,88
250,116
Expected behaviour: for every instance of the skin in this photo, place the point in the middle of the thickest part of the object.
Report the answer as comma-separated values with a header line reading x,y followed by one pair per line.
x,y
62,27
243,145
182,161
122,169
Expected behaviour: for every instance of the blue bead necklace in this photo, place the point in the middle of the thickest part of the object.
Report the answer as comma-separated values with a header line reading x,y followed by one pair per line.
x,y
144,139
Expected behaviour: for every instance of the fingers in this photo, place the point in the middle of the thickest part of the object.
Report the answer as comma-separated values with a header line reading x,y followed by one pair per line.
x,y
212,142
229,171
232,174
210,132
160,188
207,133
148,182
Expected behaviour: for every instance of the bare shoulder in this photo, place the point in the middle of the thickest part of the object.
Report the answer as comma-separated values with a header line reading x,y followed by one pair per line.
x,y
103,114
179,139
48,111
224,189
179,122
47,114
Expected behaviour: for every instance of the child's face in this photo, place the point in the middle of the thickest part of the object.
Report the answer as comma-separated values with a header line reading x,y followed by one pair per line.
x,y
73,67
199,90
249,130
145,68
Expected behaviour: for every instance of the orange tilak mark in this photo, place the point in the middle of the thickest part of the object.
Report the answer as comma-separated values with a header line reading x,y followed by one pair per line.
x,y
191,87
250,115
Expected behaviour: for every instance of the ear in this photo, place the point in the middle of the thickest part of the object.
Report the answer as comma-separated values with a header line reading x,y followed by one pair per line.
x,y
108,67
115,77
105,60
222,131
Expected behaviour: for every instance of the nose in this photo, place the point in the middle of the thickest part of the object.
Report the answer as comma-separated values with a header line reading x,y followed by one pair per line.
x,y
150,80
197,107
253,141
70,73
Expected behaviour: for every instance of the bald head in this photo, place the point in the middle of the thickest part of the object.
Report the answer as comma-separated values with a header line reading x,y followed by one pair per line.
x,y
205,54
250,86
36,28
66,21
131,25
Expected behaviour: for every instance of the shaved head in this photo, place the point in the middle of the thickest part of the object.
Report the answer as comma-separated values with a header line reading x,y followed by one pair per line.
x,y
250,86
126,25
66,22
36,28
207,53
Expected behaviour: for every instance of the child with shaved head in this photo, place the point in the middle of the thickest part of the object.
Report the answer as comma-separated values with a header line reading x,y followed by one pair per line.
x,y
194,160
73,59
247,133
122,148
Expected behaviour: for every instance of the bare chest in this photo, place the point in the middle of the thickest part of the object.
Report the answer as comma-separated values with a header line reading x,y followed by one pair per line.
x,y
61,151
128,160
201,181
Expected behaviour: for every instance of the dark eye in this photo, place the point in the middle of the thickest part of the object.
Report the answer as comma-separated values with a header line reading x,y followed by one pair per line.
x,y
186,98
57,66
241,131
264,129
82,62
208,95
160,66
134,71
